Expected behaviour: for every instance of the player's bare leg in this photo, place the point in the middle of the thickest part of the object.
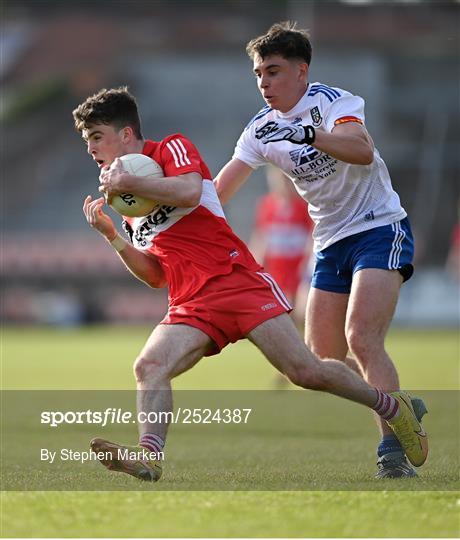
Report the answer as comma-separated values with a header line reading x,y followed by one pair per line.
x,y
325,326
327,312
280,342
325,334
169,351
278,339
371,307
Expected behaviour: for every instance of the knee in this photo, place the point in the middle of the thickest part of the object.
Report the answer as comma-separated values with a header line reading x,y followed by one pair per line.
x,y
310,377
314,347
315,344
362,344
320,348
147,369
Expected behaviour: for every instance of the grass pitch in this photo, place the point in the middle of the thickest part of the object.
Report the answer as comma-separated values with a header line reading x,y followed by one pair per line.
x,y
340,461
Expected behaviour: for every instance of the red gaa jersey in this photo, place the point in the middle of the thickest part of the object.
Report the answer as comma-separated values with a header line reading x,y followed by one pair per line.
x,y
287,229
193,245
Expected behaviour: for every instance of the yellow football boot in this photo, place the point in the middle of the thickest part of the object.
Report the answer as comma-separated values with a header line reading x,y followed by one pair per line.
x,y
409,430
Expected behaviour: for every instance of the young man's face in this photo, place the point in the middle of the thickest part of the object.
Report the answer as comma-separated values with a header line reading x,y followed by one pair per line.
x,y
281,82
105,143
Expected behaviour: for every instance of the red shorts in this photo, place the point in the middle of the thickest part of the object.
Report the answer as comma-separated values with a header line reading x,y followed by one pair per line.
x,y
228,307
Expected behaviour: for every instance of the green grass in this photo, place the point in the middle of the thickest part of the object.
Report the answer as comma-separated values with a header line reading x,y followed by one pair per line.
x,y
231,514
101,358
325,462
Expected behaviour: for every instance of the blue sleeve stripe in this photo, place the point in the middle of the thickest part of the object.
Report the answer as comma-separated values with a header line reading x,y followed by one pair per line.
x,y
333,91
320,91
330,93
259,115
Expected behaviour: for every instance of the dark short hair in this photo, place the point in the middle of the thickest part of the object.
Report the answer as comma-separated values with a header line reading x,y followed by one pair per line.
x,y
284,39
116,107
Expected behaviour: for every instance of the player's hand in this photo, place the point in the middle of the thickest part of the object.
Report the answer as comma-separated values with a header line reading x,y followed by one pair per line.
x,y
97,218
284,131
112,179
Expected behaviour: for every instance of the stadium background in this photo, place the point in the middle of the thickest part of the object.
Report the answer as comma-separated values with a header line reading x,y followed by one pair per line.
x,y
187,64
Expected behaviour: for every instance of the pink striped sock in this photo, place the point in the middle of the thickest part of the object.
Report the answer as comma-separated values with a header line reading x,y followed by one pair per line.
x,y
152,442
386,406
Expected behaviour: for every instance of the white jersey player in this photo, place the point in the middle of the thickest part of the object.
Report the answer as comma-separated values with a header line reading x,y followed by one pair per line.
x,y
363,195
363,246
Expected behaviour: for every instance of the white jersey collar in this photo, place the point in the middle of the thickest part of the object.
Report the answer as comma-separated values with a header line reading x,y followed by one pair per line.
x,y
298,108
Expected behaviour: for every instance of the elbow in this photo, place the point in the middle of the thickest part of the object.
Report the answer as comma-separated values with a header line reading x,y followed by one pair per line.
x,y
218,188
369,153
366,157
156,281
193,197
223,197
195,200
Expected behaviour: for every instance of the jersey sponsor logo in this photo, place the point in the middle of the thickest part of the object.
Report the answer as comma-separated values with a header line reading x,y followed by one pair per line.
x,y
128,229
304,155
311,164
316,118
153,220
369,216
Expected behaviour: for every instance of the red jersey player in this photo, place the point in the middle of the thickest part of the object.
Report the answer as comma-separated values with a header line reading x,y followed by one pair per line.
x,y
281,240
453,257
169,232
218,293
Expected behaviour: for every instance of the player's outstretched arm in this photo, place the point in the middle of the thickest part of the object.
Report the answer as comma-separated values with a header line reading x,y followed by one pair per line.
x,y
350,142
230,178
145,267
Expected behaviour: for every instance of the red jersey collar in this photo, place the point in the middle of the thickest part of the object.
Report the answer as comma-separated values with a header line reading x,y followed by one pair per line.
x,y
149,147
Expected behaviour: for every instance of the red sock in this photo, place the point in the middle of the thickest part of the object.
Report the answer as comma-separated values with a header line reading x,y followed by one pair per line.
x,y
152,442
386,406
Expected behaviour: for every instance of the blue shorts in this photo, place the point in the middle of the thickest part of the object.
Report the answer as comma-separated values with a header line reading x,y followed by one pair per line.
x,y
390,247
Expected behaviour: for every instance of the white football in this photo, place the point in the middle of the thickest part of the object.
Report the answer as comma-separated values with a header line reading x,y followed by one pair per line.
x,y
131,205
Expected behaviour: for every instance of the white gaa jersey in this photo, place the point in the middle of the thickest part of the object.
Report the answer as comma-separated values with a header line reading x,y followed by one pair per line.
x,y
343,199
